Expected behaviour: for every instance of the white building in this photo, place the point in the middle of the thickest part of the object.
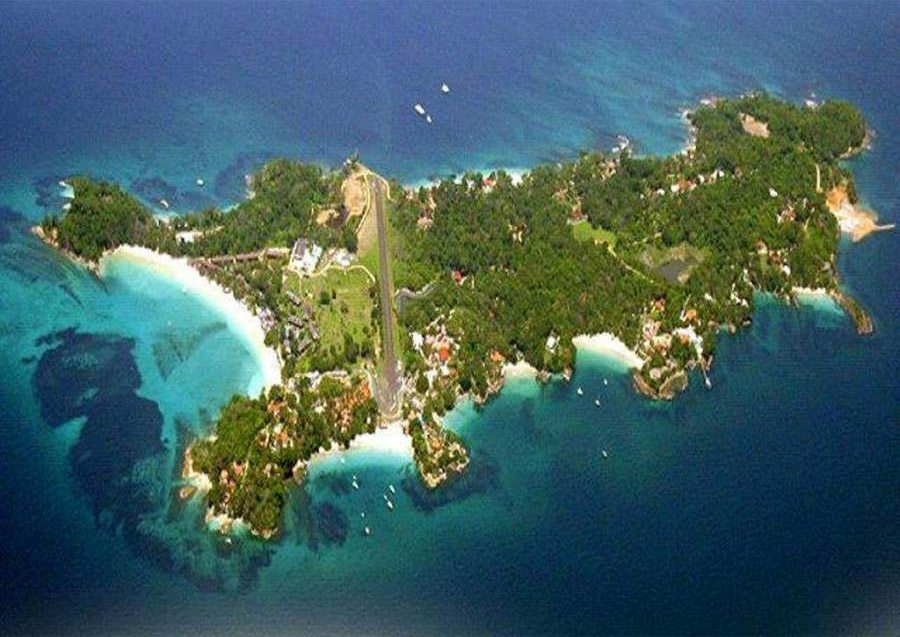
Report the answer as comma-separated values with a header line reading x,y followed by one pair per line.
x,y
552,342
305,256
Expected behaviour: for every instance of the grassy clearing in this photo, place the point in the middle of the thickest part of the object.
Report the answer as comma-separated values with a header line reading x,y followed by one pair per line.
x,y
583,232
675,263
342,303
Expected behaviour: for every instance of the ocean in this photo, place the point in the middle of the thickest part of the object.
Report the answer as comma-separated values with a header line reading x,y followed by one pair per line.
x,y
769,503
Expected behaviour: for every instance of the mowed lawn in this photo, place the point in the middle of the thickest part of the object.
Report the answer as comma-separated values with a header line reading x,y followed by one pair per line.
x,y
349,306
583,231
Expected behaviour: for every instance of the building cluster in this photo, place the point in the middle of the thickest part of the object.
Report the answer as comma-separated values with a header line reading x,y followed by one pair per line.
x,y
300,329
305,256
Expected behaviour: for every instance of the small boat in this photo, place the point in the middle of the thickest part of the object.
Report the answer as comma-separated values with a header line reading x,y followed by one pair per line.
x,y
428,119
342,460
418,108
579,391
363,514
708,383
445,89
604,454
200,182
164,203
355,484
367,531
605,382
384,495
391,488
597,402
390,505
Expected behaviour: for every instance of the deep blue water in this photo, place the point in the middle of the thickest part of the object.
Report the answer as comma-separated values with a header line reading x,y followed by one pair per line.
x,y
770,503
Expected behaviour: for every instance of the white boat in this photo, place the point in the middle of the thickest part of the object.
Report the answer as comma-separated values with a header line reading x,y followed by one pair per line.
x,y
445,89
597,402
390,505
363,514
428,119
708,383
605,382
355,484
603,452
418,108
367,531
164,203
200,182
391,488
579,391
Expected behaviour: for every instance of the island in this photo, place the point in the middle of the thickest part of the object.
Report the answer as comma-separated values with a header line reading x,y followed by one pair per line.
x,y
387,305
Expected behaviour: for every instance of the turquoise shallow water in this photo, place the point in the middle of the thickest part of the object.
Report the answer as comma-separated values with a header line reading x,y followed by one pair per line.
x,y
766,504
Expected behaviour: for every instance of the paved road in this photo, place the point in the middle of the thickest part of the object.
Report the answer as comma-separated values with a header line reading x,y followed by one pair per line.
x,y
389,381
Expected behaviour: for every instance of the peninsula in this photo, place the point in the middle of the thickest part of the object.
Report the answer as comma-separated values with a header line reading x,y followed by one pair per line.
x,y
387,304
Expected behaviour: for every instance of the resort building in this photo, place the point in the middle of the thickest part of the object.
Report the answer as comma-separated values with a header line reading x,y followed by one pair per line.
x,y
305,256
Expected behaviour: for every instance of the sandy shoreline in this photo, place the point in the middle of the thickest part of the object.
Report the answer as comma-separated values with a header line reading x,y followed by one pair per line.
x,y
240,318
387,440
519,370
609,346
603,344
853,219
515,174
819,298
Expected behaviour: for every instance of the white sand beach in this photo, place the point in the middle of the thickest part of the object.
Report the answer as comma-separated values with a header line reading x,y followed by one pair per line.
x,y
239,317
387,440
609,346
819,298
519,370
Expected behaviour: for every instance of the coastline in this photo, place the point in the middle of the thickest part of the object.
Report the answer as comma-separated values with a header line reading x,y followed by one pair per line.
x,y
853,219
604,344
519,370
815,297
835,301
609,346
389,440
245,323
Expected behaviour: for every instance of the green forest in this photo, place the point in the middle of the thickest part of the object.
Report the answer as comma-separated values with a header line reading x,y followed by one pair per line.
x,y
744,208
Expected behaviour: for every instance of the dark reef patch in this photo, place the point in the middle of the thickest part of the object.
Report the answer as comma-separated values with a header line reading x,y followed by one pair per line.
x,y
192,200
122,464
48,193
230,184
480,477
95,376
10,221
153,189
335,481
172,347
315,523
332,524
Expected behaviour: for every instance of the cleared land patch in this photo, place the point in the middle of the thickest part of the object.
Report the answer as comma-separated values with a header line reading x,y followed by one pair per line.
x,y
675,264
343,305
583,231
